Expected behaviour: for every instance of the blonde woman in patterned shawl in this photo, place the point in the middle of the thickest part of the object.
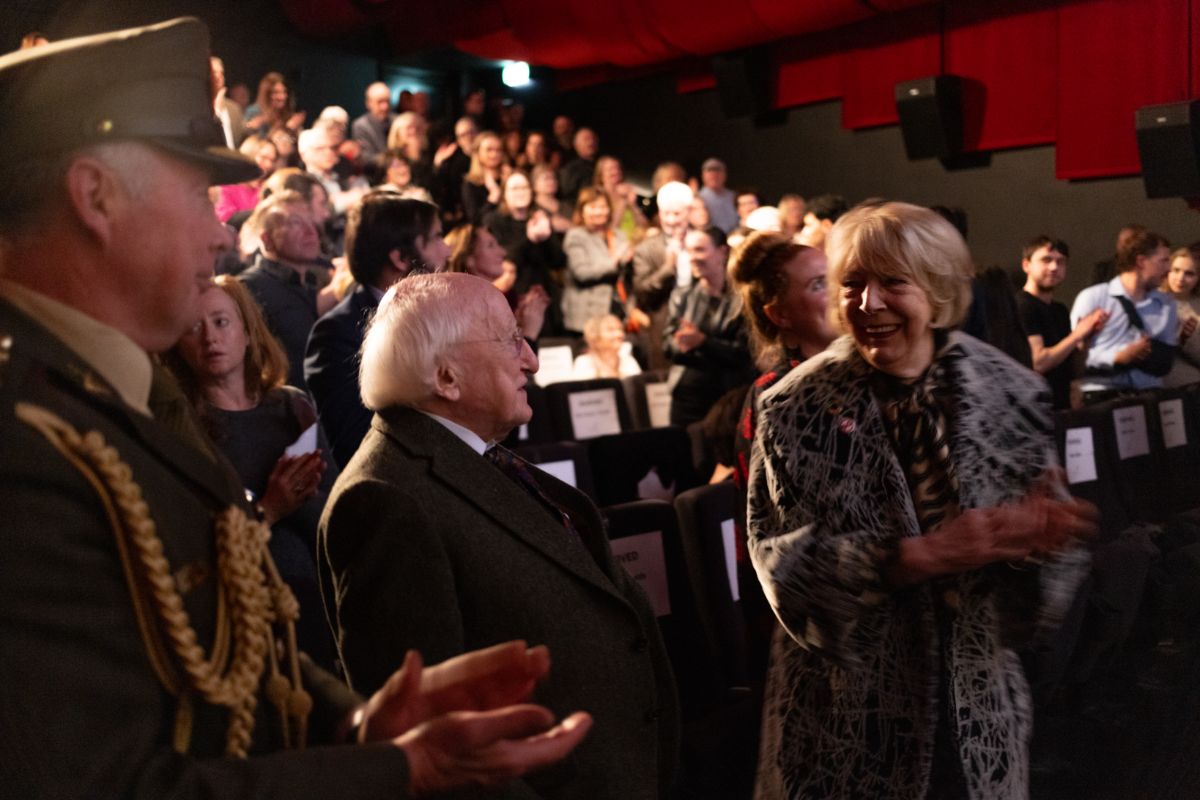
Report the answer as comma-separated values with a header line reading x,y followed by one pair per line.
x,y
909,525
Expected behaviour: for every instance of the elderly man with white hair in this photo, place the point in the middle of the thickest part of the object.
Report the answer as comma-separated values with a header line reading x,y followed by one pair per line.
x,y
438,539
318,151
660,263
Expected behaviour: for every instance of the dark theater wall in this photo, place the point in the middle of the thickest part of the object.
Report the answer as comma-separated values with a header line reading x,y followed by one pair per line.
x,y
647,121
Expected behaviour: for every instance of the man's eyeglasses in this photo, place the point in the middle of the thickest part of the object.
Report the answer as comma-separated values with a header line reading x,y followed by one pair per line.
x,y
515,340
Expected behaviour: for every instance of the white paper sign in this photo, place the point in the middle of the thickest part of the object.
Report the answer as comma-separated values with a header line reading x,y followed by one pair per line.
x,y
594,413
1132,440
658,400
642,558
1080,456
305,443
1173,430
727,539
563,470
555,364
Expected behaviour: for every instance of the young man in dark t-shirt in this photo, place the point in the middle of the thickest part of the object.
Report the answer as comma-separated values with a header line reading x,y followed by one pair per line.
x,y
1047,322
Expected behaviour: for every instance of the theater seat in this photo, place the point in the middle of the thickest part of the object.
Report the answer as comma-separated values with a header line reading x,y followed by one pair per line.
x,y
582,410
655,463
640,390
567,461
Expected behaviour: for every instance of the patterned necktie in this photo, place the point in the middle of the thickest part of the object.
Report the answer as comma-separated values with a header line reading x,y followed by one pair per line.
x,y
515,468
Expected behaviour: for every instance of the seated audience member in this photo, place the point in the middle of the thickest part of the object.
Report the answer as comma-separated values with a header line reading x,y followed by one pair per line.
x,y
545,197
475,251
791,214
393,173
274,108
492,548
227,112
1182,282
627,216
319,154
243,197
595,254
660,263
370,130
1046,322
290,179
763,218
387,239
232,370
147,647
409,135
563,129
820,215
745,202
285,142
335,121
722,210
785,304
579,171
705,333
1136,346
481,185
280,280
608,354
527,236
512,141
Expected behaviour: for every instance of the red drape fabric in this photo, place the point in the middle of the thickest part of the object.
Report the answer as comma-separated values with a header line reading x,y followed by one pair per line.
x,y
1010,68
878,54
809,70
1115,56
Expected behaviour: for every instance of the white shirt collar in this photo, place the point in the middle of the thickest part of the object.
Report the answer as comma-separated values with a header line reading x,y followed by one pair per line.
x,y
468,436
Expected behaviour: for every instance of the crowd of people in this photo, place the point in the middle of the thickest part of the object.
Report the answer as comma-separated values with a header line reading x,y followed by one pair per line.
x,y
311,459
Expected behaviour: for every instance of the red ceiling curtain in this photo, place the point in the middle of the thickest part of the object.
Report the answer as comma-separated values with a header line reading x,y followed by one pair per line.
x,y
809,70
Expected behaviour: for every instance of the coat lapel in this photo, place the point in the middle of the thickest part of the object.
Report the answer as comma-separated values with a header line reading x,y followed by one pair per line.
x,y
488,490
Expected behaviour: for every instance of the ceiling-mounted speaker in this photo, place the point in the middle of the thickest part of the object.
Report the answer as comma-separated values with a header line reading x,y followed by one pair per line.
x,y
744,82
1168,139
931,119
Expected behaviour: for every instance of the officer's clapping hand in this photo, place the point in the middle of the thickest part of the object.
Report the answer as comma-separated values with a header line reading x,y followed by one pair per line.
x,y
463,723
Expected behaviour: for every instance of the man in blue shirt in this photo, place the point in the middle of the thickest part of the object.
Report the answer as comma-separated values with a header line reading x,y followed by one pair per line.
x,y
1122,345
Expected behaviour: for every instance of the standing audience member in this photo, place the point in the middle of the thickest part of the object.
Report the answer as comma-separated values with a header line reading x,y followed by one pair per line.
x,y
527,236
275,107
660,263
136,660
387,239
821,214
475,251
910,524
705,334
409,135
281,281
785,303
371,129
1183,283
1047,323
722,211
627,217
791,214
451,163
395,171
545,197
491,548
579,171
232,370
1136,346
595,255
481,185
536,152
227,112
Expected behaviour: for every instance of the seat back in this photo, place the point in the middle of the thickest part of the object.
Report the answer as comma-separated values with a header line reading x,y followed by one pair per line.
x,y
649,397
556,360
1087,450
644,536
1177,416
706,528
582,410
655,463
567,461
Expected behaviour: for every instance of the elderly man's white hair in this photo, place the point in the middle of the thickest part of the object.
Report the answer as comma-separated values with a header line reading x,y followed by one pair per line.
x,y
418,319
674,194
308,139
335,113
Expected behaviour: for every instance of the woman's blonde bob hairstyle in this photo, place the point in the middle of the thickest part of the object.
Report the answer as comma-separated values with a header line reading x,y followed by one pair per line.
x,y
903,240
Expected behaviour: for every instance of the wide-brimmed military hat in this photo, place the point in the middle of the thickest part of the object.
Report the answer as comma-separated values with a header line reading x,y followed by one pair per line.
x,y
147,84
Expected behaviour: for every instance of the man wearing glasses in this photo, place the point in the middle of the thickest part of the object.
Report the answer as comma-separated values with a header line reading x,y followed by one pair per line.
x,y
431,513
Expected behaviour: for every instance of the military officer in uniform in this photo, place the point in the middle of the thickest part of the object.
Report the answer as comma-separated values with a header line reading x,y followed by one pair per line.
x,y
146,641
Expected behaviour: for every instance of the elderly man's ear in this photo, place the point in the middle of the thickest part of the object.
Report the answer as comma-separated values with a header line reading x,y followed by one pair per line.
x,y
446,383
